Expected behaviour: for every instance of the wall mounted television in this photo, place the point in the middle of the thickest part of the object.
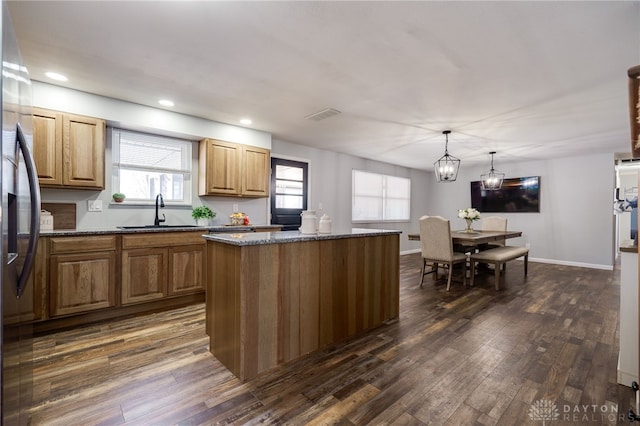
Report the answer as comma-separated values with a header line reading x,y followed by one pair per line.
x,y
517,195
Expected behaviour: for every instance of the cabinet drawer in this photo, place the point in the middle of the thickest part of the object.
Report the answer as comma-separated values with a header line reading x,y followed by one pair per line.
x,y
163,239
82,244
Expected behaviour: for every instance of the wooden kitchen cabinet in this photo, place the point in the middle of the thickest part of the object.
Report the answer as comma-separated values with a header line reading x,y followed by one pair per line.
x,y
144,275
82,274
68,150
80,279
155,266
232,169
255,171
32,307
186,269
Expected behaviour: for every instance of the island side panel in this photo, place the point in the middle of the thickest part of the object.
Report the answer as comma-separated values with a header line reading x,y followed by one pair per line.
x,y
309,302
223,304
359,285
298,281
280,304
386,299
260,308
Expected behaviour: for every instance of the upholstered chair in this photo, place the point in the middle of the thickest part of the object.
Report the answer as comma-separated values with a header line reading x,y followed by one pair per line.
x,y
437,248
493,223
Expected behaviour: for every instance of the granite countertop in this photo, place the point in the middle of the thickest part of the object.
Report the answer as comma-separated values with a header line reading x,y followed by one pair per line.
x,y
628,246
258,238
173,228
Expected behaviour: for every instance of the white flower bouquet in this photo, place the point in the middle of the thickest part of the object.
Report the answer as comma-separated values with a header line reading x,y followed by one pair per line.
x,y
469,215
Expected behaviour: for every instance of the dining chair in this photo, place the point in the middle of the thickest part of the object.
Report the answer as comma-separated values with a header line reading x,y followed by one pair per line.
x,y
437,247
493,223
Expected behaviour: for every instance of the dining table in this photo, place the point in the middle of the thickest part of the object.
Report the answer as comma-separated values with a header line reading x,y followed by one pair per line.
x,y
475,238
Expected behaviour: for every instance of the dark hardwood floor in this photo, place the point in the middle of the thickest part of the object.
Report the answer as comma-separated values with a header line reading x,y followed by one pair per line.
x,y
543,346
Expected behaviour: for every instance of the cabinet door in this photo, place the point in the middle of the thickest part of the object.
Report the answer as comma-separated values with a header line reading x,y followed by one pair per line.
x,y
47,146
83,151
186,269
31,306
82,282
219,168
144,275
255,171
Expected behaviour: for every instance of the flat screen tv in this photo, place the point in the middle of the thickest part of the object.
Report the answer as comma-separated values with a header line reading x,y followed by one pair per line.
x,y
517,195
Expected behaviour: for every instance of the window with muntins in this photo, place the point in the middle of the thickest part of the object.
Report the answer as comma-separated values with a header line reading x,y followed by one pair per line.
x,y
380,198
146,165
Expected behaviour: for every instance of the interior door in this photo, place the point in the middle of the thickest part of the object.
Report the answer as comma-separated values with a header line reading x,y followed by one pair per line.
x,y
288,192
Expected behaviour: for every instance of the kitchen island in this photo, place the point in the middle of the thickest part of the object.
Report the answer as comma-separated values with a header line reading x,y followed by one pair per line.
x,y
273,297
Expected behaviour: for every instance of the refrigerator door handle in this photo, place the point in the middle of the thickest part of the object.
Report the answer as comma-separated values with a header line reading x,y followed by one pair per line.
x,y
34,228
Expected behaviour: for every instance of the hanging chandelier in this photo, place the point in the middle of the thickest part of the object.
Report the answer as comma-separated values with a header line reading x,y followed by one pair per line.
x,y
447,166
492,181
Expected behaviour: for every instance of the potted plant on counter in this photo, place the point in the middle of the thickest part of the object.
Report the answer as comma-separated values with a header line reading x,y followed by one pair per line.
x,y
118,197
202,215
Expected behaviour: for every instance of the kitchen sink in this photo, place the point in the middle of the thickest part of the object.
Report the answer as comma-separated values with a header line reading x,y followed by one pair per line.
x,y
155,226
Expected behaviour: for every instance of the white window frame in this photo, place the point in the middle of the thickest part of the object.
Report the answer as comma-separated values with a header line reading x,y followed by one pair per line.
x,y
186,146
385,198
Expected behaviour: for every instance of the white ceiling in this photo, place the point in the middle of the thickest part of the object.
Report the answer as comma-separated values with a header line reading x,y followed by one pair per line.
x,y
529,80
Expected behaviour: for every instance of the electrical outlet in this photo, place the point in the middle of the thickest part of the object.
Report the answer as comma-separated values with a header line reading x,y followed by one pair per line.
x,y
527,246
320,205
94,205
235,208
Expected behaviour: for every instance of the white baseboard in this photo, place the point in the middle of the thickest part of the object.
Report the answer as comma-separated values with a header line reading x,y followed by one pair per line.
x,y
410,251
569,263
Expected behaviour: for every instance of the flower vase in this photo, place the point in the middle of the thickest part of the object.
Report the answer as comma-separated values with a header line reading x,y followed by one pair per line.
x,y
469,226
202,221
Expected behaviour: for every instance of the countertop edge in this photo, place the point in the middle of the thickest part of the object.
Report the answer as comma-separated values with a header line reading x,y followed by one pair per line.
x,y
262,238
629,249
115,230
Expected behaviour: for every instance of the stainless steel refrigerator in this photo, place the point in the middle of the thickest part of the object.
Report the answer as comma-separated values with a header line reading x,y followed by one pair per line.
x,y
20,220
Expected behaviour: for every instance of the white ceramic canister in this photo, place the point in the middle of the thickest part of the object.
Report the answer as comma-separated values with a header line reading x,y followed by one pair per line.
x,y
46,221
324,226
308,225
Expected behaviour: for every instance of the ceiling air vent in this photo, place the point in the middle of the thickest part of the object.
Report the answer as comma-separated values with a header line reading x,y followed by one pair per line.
x,y
321,115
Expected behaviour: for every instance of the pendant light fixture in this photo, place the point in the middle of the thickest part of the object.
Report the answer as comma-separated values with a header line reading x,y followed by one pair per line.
x,y
492,181
447,166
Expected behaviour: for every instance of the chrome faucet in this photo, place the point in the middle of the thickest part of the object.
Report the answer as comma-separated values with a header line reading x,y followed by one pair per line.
x,y
157,220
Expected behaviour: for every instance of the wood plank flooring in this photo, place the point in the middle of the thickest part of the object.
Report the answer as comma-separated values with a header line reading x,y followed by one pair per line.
x,y
471,356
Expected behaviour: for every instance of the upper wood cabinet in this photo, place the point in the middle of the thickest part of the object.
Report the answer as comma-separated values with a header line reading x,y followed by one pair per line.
x,y
68,150
232,169
255,171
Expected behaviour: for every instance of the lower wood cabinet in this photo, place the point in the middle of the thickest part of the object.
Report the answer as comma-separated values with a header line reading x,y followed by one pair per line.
x,y
186,269
144,275
82,274
102,276
32,305
150,272
82,282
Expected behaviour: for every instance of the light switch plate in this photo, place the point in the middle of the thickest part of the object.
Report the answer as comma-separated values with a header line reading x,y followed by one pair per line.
x,y
94,205
235,208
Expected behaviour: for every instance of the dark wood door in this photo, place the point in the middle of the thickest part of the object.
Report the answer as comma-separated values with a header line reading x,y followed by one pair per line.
x,y
288,192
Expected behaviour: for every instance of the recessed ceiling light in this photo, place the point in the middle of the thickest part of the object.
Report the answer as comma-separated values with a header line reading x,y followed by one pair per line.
x,y
246,121
56,76
166,102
